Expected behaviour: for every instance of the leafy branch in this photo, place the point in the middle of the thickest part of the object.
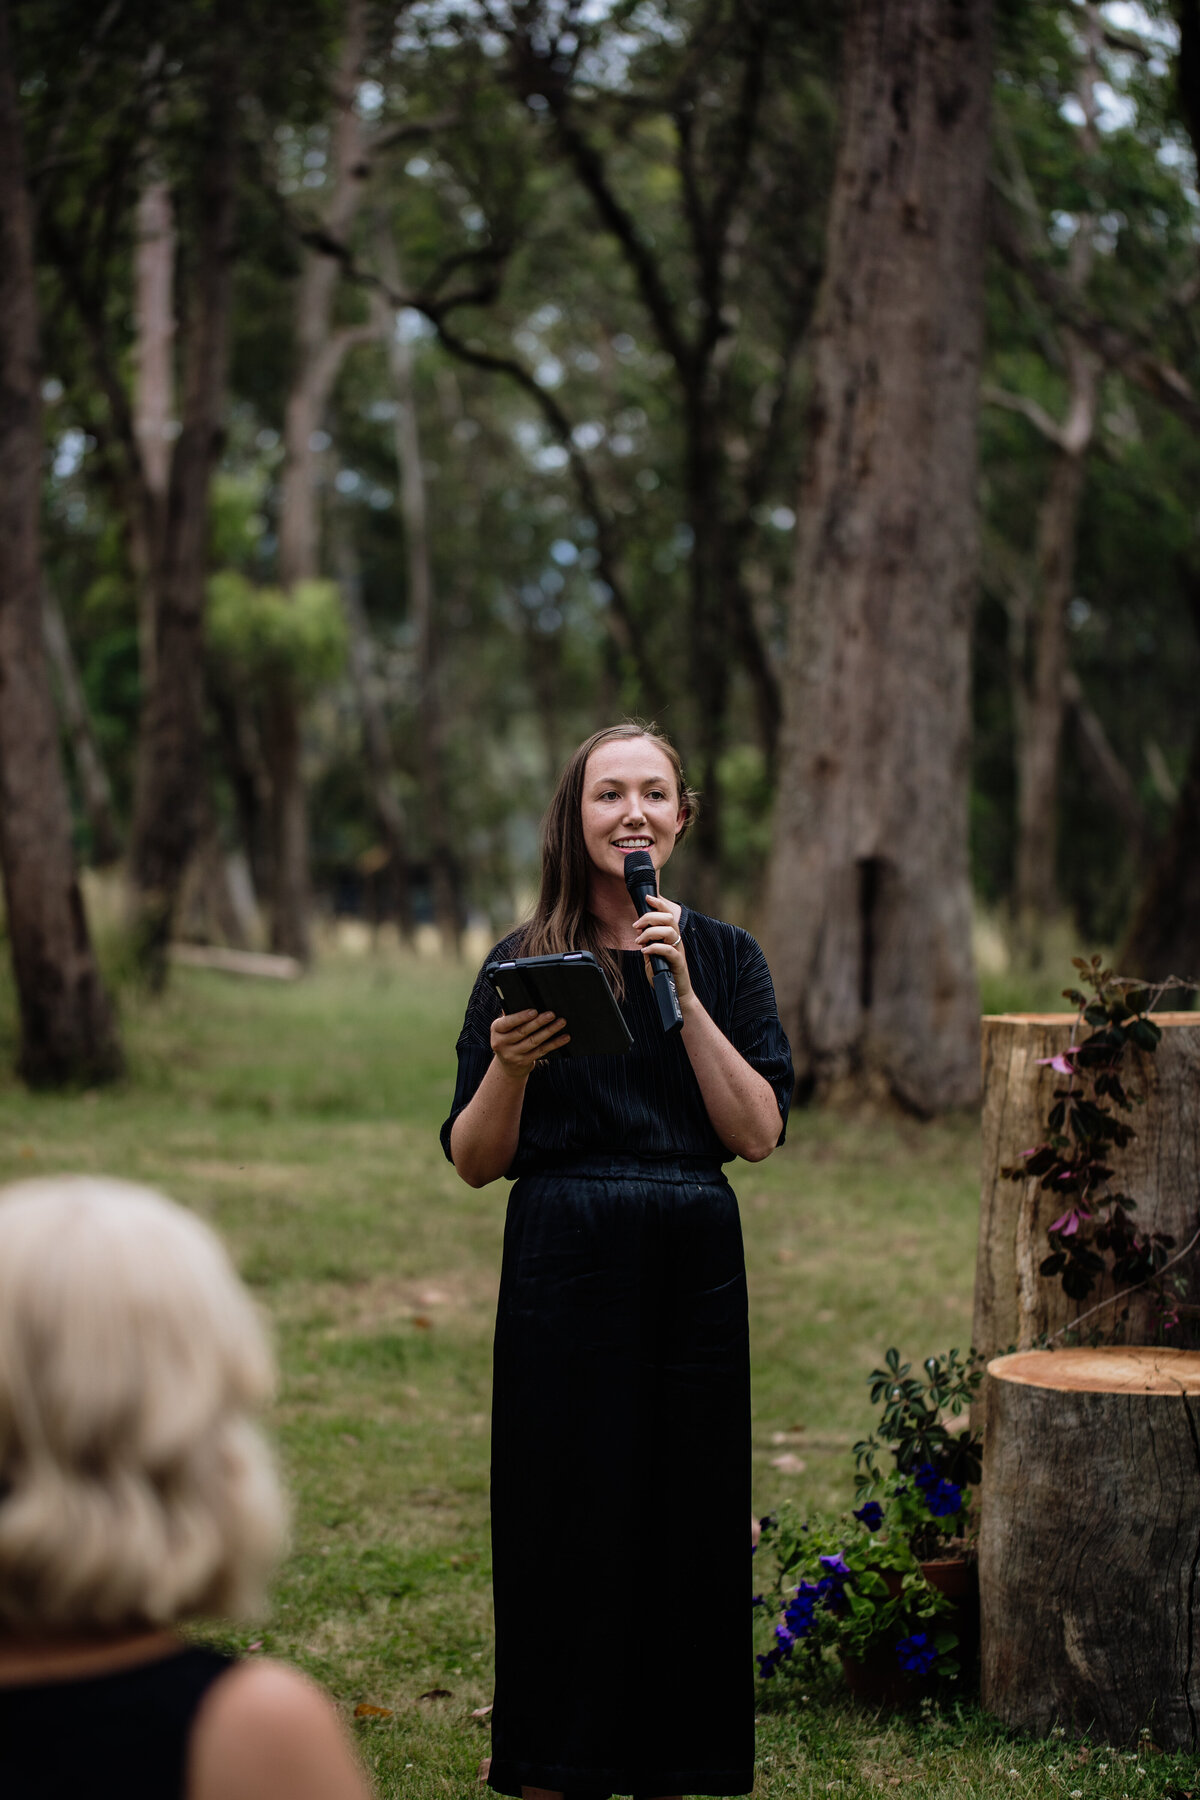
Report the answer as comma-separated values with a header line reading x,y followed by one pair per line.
x,y
913,1423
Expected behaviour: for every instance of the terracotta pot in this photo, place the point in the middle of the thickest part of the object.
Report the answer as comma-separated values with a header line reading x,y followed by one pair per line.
x,y
878,1680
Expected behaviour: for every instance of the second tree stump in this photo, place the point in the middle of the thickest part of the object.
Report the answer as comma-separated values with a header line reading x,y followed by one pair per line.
x,y
1089,1555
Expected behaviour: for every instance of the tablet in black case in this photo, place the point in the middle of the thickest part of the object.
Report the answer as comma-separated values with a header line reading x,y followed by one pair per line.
x,y
574,987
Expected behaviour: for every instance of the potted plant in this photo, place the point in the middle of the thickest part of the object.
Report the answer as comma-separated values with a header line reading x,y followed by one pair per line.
x,y
887,1586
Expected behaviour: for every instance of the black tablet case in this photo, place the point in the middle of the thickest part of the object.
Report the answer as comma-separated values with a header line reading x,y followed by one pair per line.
x,y
573,986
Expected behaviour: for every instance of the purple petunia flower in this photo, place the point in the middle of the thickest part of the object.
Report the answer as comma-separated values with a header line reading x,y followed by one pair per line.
x,y
944,1500
800,1615
916,1653
941,1497
870,1515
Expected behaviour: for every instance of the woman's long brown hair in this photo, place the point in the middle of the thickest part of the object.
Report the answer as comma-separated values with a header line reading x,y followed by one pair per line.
x,y
561,920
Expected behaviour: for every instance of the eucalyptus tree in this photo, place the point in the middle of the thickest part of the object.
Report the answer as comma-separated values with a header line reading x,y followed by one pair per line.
x,y
67,1028
698,138
151,103
869,889
1089,539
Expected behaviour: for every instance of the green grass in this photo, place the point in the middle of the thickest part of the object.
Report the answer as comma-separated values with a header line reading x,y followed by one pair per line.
x,y
302,1121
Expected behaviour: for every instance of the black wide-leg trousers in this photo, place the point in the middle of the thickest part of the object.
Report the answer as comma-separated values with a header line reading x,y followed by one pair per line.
x,y
621,1486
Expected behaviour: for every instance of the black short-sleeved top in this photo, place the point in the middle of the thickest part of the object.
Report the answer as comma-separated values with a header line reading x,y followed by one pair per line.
x,y
646,1103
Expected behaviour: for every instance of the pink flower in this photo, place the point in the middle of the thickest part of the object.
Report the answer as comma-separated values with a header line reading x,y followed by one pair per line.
x,y
1070,1221
1060,1062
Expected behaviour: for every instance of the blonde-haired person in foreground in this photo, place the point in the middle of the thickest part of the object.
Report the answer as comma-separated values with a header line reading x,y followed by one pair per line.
x,y
135,1492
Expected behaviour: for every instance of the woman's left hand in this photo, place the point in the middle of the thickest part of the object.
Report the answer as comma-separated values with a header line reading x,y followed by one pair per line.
x,y
658,934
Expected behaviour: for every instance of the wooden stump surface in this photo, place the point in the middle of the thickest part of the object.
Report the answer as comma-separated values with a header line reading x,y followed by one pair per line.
x,y
1014,1304
1089,1556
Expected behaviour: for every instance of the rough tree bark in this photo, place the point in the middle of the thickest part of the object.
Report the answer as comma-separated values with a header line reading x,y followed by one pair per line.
x,y
1087,1554
422,613
869,897
154,385
67,1030
319,354
94,787
170,761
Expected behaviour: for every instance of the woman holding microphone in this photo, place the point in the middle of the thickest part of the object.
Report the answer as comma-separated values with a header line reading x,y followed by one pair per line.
x,y
621,1409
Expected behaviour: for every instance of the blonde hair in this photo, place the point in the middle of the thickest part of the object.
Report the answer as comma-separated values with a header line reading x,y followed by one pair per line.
x,y
561,920
134,1488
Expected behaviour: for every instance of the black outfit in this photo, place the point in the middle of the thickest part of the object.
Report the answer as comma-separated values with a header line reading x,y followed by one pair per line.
x,y
118,1736
621,1408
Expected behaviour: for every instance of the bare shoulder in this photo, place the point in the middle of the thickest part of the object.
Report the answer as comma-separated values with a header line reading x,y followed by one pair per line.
x,y
265,1732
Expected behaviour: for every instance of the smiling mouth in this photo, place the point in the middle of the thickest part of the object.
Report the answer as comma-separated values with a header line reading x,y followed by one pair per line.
x,y
637,843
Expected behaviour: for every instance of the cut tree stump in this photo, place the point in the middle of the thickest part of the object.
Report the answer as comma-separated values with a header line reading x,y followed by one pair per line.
x,y
1014,1304
1089,1552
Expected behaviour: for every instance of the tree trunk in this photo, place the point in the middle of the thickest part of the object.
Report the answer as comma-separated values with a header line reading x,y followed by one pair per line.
x,y
154,384
1087,1554
1040,703
249,782
93,779
1116,786
422,612
171,738
377,743
208,912
1014,1304
708,648
869,896
319,354
1164,935
1040,745
67,1030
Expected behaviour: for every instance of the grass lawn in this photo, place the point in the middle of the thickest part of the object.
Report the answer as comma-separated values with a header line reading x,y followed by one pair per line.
x,y
302,1121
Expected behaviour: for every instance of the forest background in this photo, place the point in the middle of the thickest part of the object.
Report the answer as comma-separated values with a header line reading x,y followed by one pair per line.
x,y
422,386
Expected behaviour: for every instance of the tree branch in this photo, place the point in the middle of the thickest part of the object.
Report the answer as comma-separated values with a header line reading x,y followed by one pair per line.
x,y
1029,409
51,161
533,73
1117,348
619,614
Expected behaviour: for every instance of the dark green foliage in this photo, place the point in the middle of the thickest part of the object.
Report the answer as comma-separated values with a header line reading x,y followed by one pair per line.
x,y
913,1423
474,188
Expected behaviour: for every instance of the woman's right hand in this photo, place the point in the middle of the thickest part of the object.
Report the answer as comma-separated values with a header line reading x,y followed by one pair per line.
x,y
521,1039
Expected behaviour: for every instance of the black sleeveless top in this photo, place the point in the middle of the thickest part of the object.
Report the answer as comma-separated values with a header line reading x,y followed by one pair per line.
x,y
117,1736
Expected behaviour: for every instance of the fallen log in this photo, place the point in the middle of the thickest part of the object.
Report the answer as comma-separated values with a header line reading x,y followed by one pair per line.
x,y
1089,1554
236,962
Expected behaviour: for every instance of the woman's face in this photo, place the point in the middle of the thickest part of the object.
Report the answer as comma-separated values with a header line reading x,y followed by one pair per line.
x,y
630,802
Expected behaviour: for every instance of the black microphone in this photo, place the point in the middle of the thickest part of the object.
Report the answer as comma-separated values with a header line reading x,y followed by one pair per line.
x,y
641,880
